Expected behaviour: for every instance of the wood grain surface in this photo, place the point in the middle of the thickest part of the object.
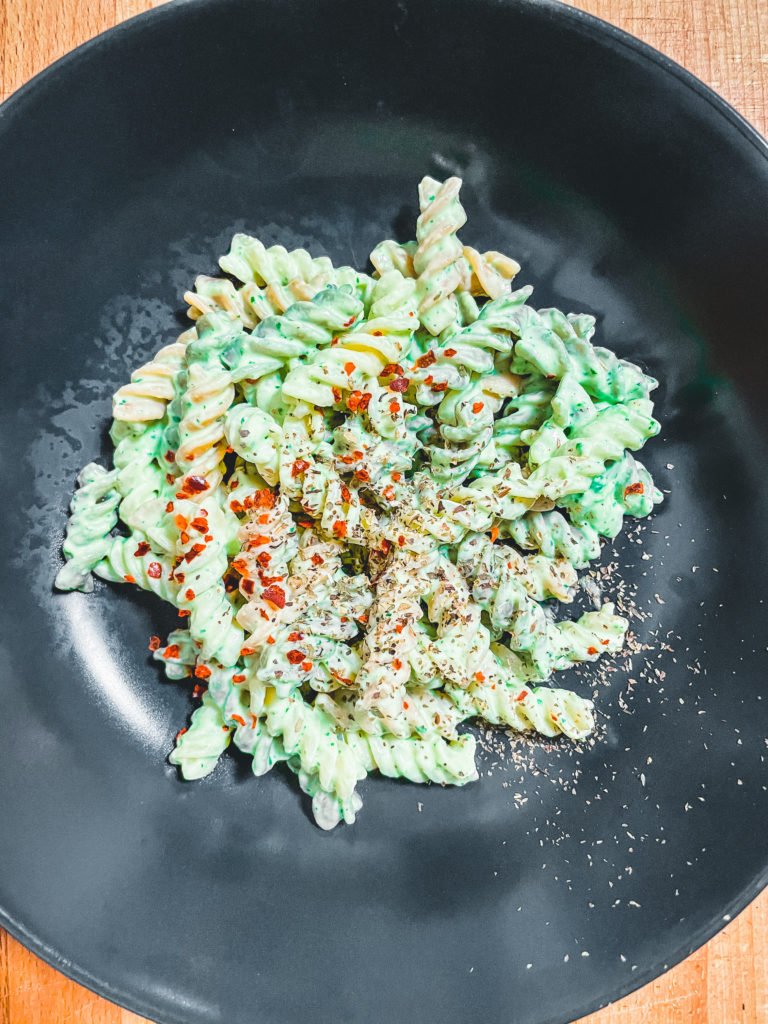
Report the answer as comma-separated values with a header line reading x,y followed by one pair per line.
x,y
723,42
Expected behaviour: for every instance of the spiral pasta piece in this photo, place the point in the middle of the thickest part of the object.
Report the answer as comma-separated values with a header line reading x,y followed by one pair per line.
x,y
553,535
553,344
201,549
200,746
438,260
390,255
93,515
546,710
625,488
491,272
302,328
131,560
420,761
151,387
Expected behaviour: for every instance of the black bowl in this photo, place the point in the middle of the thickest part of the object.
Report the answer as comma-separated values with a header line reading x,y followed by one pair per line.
x,y
625,188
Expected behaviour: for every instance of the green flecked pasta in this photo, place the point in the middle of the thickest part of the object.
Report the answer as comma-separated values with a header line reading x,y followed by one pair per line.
x,y
93,515
199,747
369,497
438,260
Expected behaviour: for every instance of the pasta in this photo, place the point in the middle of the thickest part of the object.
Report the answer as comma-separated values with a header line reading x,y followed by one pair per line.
x,y
369,497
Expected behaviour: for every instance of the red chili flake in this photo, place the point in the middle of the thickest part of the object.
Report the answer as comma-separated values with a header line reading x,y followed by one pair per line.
x,y
266,580
634,489
362,474
365,401
340,529
198,690
604,642
522,695
248,587
264,498
259,541
391,369
271,640
225,728
169,507
426,360
394,408
346,497
400,384
208,538
239,678
189,594
450,352
591,650
356,455
389,492
386,546
363,617
263,614
477,407
183,612
202,672
184,537
275,595
154,643
349,368
494,534
155,570
171,651
295,657
306,665
397,664
194,551
240,565
479,677
238,718
142,549
236,506
169,480
406,705
318,560
179,734
439,387
299,466
263,519
377,334
353,400
294,637
179,577
429,379
348,323
401,541
399,627
346,459
195,485
397,477
170,456
336,394
264,558
254,719
246,652
307,524
180,522
200,524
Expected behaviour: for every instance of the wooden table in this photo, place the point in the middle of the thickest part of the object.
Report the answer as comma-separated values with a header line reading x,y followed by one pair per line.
x,y
724,42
